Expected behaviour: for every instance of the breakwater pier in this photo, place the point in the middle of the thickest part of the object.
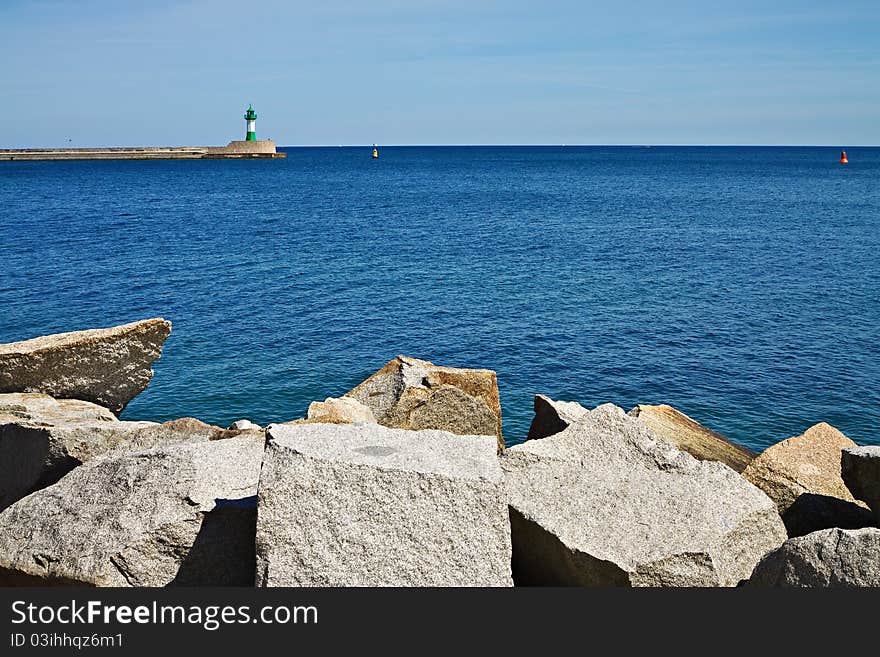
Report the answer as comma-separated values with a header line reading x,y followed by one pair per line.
x,y
234,150
248,148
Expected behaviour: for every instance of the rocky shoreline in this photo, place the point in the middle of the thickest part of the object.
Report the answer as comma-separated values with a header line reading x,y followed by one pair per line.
x,y
405,481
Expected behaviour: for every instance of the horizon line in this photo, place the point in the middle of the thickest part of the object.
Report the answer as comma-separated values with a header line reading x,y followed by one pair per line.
x,y
465,145
566,145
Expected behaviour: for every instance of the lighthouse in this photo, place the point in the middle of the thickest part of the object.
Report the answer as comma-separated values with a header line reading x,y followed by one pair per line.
x,y
251,118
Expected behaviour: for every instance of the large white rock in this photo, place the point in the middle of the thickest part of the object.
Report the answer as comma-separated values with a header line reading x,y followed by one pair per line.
x,y
829,557
363,505
605,502
183,514
108,367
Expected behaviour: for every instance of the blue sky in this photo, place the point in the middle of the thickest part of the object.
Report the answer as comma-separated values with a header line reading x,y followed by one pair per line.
x,y
102,72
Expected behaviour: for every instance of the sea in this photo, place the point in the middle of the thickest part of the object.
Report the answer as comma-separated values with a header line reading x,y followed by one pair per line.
x,y
741,285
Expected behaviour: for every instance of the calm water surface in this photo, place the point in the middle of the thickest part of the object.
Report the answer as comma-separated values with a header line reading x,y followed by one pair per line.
x,y
741,285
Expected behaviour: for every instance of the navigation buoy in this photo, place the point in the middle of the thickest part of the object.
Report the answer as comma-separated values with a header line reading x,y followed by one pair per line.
x,y
843,159
375,152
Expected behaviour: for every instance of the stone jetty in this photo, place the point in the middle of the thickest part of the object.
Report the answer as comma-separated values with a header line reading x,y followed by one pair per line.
x,y
405,481
234,150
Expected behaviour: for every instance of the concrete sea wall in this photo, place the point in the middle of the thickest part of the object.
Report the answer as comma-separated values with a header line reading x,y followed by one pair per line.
x,y
233,150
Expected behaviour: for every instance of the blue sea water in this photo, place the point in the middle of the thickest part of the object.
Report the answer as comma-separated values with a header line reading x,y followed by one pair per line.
x,y
740,285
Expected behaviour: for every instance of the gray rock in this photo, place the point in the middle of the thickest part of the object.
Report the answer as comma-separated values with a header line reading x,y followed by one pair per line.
x,y
665,422
860,468
408,393
607,503
363,505
108,367
182,515
42,439
553,416
829,557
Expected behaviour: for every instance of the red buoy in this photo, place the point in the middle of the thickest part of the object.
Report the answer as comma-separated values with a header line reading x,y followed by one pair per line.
x,y
843,159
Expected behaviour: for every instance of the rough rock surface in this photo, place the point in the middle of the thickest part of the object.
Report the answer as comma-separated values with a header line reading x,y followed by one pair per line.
x,y
108,367
42,439
689,435
861,473
338,410
184,429
408,393
183,515
363,505
830,557
802,475
553,416
604,502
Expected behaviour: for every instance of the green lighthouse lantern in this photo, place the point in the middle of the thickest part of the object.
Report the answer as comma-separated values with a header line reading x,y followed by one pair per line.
x,y
251,117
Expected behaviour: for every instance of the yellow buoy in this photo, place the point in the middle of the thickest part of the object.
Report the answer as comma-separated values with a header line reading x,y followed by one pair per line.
x,y
375,152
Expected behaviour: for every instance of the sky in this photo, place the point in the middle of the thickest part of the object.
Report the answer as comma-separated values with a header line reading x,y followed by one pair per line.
x,y
331,72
